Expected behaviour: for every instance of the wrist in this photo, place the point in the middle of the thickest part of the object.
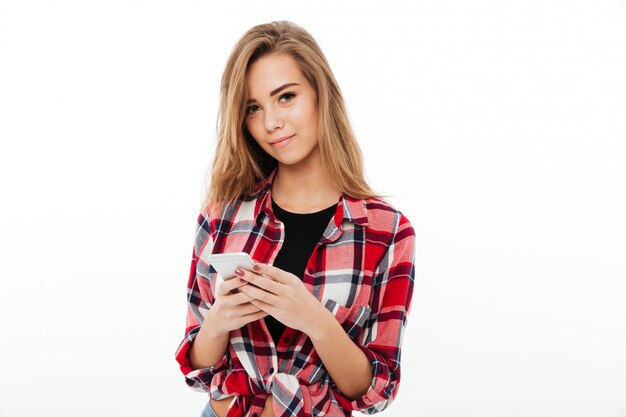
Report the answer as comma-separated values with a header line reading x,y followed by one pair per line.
x,y
210,325
322,324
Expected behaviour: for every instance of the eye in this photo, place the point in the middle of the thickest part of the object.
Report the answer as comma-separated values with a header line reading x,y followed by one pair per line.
x,y
252,109
287,96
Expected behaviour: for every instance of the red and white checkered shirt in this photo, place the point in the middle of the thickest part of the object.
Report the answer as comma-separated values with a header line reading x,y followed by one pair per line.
x,y
362,270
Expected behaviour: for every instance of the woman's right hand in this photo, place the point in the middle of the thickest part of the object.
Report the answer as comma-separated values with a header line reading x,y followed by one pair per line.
x,y
232,308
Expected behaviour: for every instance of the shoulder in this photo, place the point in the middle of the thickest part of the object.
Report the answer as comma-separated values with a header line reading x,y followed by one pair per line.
x,y
383,216
242,208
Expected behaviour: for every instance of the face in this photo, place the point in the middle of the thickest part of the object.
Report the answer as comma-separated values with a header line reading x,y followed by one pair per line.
x,y
281,112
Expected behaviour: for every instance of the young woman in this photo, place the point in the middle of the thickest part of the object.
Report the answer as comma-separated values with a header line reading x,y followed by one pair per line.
x,y
315,327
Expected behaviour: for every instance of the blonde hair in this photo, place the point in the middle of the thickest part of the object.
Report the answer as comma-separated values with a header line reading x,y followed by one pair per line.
x,y
239,163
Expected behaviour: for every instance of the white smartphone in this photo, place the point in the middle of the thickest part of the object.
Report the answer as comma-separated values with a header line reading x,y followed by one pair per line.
x,y
226,263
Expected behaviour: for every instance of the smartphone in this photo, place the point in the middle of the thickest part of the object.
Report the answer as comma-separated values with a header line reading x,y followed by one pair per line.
x,y
226,263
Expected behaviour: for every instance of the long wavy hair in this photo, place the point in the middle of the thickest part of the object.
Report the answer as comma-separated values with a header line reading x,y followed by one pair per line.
x,y
239,163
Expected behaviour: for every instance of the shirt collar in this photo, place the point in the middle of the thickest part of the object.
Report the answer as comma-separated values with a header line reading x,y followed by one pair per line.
x,y
349,209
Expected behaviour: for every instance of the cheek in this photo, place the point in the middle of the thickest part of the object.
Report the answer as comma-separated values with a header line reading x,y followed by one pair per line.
x,y
249,125
253,127
256,130
307,115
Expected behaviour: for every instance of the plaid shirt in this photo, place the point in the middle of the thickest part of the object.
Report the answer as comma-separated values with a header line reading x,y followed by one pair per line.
x,y
362,271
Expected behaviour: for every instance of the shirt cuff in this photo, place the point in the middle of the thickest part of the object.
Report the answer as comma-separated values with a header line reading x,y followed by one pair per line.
x,y
381,391
197,379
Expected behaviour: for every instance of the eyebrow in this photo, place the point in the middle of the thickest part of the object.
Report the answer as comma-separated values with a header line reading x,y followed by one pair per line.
x,y
275,91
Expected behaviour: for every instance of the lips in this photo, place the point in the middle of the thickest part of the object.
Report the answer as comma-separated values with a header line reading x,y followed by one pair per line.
x,y
284,141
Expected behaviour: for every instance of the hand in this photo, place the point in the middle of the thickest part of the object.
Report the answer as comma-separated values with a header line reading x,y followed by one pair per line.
x,y
284,296
232,309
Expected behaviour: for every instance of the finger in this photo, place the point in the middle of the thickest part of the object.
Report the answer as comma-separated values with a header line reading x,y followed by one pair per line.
x,y
230,284
248,318
268,308
238,298
258,294
277,274
247,308
263,282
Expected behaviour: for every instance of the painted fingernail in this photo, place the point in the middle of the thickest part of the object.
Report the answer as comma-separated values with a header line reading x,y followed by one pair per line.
x,y
256,267
239,272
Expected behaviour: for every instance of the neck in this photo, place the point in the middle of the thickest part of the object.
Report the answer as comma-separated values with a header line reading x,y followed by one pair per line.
x,y
303,189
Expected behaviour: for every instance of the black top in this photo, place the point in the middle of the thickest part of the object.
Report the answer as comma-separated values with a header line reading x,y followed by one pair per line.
x,y
302,233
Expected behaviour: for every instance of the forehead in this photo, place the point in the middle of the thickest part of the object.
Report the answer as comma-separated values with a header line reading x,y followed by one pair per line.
x,y
272,71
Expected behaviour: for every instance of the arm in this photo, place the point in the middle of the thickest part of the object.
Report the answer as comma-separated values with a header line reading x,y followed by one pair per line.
x,y
203,352
347,365
199,373
381,339
209,346
231,310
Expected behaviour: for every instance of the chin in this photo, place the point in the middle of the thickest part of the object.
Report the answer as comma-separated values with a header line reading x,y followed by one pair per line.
x,y
294,157
288,161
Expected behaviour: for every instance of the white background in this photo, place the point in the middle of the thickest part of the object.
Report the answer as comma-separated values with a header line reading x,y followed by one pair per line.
x,y
497,127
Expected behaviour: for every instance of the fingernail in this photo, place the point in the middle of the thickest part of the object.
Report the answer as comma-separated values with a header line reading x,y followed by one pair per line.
x,y
256,267
239,272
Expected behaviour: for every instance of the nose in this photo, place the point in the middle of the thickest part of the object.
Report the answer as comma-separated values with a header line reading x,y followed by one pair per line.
x,y
272,120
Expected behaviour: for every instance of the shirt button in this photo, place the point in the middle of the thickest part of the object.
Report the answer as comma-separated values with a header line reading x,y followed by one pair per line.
x,y
255,415
310,271
286,340
271,370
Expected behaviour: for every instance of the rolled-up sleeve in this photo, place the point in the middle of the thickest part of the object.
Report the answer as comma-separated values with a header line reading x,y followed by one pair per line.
x,y
392,289
199,301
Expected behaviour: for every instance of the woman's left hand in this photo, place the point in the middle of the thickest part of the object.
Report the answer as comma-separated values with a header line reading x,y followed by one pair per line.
x,y
284,296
